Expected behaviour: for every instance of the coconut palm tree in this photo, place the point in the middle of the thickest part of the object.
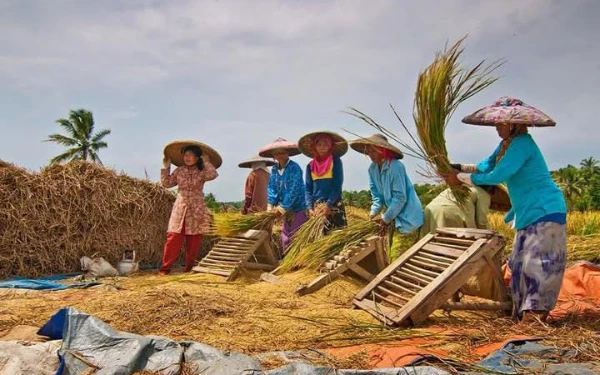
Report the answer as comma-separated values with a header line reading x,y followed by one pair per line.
x,y
570,182
589,167
81,142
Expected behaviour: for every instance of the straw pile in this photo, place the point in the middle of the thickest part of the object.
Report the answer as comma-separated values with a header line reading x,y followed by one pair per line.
x,y
48,220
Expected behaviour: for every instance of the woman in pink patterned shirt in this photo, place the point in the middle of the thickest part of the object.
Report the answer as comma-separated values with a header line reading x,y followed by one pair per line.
x,y
190,218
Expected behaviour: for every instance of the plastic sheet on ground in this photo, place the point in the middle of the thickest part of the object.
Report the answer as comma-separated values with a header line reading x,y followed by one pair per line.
x,y
90,345
44,283
37,359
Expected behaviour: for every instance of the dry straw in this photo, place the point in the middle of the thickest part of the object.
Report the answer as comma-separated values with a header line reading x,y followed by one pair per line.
x,y
232,224
50,219
441,88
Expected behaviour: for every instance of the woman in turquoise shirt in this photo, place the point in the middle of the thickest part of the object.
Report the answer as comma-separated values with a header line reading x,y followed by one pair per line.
x,y
390,185
538,211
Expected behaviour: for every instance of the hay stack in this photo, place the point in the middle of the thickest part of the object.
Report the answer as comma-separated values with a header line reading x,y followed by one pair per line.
x,y
48,220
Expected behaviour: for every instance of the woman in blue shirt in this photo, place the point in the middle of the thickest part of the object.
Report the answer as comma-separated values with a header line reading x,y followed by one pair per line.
x,y
286,193
325,175
390,185
538,209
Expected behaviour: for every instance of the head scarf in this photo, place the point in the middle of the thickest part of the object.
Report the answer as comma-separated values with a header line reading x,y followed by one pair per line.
x,y
321,165
387,154
516,131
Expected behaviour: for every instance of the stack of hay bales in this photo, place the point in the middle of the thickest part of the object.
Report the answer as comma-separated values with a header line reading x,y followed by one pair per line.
x,y
48,220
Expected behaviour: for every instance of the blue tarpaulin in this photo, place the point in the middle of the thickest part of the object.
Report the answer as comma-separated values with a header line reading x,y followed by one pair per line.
x,y
44,283
92,345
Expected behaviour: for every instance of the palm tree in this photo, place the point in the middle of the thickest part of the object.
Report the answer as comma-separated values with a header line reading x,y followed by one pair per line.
x,y
569,180
81,141
589,167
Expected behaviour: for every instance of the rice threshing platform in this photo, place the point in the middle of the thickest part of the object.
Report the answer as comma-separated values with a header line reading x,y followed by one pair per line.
x,y
365,260
251,250
427,275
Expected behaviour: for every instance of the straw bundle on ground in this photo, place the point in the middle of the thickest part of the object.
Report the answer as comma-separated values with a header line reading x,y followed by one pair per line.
x,y
234,223
441,88
48,220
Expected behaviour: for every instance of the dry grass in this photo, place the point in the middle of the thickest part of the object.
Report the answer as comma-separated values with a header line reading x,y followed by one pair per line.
x,y
254,317
583,234
48,220
234,223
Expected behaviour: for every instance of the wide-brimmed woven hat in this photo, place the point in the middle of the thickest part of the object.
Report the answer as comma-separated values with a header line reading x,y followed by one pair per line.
x,y
361,144
306,143
173,152
509,111
279,144
257,159
500,200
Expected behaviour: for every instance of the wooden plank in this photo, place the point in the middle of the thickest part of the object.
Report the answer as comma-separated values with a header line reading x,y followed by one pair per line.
x,y
424,278
437,258
381,297
473,233
233,247
405,299
268,252
225,253
210,262
380,256
431,297
361,272
390,285
213,255
389,270
437,249
411,265
434,264
407,285
478,306
453,241
323,280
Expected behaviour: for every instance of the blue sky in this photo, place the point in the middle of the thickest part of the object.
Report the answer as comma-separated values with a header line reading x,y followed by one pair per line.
x,y
238,74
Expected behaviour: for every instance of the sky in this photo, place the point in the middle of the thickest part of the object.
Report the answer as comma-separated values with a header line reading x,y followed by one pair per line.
x,y
238,74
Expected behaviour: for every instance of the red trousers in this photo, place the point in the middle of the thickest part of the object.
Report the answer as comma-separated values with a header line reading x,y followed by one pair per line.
x,y
173,247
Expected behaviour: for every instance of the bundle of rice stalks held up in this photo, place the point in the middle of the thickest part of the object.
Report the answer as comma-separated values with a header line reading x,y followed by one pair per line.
x,y
233,224
441,88
316,253
50,219
308,233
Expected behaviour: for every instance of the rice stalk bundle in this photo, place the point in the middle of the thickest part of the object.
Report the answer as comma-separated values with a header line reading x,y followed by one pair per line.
x,y
232,224
309,232
441,88
318,252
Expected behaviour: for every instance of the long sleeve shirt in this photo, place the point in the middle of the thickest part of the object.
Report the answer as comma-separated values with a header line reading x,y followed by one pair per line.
x,y
286,187
255,191
532,191
390,186
326,188
189,214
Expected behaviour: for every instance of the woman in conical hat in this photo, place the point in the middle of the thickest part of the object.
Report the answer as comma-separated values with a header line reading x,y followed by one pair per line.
x,y
255,191
286,193
325,174
539,211
190,219
390,185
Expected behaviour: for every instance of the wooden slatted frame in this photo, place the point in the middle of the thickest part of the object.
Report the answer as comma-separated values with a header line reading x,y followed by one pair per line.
x,y
231,254
373,248
428,292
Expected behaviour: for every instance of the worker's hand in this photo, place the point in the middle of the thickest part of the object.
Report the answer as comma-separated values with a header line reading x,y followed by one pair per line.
x,y
452,179
311,212
326,210
166,162
279,211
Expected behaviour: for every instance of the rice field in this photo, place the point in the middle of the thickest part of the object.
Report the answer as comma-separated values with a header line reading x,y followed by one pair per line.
x,y
583,234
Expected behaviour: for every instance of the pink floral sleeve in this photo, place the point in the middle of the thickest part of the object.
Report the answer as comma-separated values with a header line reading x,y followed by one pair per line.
x,y
168,179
